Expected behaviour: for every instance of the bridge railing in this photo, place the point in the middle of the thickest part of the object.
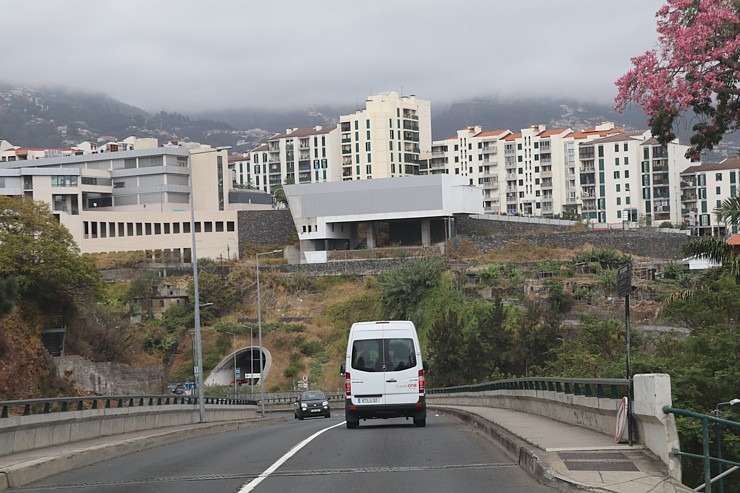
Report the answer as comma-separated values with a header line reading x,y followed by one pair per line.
x,y
29,407
589,387
706,442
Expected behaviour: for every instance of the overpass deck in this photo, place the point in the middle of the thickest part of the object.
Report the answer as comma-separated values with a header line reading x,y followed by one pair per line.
x,y
555,453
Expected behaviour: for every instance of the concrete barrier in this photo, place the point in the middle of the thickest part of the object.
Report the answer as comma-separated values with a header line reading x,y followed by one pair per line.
x,y
21,433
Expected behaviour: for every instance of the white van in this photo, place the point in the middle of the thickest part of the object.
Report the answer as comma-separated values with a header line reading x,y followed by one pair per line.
x,y
384,373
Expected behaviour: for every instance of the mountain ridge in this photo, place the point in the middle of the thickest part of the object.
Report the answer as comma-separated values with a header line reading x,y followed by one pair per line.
x,y
57,117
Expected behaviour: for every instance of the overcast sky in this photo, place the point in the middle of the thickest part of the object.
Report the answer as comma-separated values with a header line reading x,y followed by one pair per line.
x,y
188,55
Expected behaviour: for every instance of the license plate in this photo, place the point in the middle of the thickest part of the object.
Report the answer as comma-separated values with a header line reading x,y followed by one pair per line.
x,y
315,410
368,400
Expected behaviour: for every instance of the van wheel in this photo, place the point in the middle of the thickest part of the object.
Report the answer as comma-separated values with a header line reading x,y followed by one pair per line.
x,y
420,422
300,418
352,424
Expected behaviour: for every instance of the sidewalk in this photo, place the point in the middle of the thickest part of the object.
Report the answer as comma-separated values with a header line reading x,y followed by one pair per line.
x,y
568,456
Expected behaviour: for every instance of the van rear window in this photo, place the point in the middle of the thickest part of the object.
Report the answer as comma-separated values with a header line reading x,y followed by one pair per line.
x,y
383,354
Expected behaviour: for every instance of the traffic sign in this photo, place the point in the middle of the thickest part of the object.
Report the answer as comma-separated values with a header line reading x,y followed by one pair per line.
x,y
624,280
237,372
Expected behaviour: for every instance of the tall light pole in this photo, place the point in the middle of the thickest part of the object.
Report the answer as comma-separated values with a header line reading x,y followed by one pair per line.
x,y
196,295
259,331
236,373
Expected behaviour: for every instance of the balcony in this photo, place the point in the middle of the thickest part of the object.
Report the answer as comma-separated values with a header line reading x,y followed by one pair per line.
x,y
409,125
491,150
688,183
587,169
510,176
345,127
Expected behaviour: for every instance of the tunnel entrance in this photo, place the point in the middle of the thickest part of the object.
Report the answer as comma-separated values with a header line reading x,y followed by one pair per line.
x,y
247,362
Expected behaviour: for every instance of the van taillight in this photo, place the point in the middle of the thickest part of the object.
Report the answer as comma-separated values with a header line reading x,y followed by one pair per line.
x,y
422,382
347,385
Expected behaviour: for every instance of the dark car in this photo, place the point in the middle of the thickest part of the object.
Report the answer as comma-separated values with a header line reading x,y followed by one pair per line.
x,y
311,403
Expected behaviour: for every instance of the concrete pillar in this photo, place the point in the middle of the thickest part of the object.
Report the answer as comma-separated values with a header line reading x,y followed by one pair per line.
x,y
657,430
426,233
370,231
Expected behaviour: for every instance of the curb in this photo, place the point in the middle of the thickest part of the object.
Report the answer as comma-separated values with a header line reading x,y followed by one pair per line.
x,y
528,456
38,469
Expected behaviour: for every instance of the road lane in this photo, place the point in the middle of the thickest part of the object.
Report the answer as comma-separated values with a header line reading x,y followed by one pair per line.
x,y
381,455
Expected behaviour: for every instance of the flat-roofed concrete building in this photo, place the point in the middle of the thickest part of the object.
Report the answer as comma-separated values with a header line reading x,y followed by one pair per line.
x,y
414,210
137,200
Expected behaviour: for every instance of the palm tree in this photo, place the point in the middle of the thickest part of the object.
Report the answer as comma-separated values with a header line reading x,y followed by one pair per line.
x,y
718,250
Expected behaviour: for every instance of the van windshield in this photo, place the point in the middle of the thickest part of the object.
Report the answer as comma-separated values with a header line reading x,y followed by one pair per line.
x,y
383,354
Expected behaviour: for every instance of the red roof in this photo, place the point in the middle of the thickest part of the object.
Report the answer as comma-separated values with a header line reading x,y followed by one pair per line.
x,y
734,240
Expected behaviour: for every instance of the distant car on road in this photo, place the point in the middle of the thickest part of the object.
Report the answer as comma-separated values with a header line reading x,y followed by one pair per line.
x,y
311,403
176,388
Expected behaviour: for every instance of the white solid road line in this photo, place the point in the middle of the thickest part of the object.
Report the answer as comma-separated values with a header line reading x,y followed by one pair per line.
x,y
253,484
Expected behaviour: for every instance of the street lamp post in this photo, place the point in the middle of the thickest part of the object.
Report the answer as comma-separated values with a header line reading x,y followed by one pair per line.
x,y
259,331
196,295
236,373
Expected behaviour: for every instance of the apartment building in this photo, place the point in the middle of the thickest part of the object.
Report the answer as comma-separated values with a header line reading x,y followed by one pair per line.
x,y
533,172
239,166
300,155
704,188
632,178
135,200
387,138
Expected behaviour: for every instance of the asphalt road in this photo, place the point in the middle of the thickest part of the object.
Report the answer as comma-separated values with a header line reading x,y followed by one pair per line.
x,y
318,455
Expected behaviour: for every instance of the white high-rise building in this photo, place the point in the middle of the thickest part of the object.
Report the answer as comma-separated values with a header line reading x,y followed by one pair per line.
x,y
387,138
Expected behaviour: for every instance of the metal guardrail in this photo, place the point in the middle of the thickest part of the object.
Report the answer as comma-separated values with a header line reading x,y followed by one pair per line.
x,y
706,456
30,407
589,387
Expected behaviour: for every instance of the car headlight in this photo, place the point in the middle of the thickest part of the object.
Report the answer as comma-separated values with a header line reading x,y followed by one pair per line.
x,y
303,405
325,403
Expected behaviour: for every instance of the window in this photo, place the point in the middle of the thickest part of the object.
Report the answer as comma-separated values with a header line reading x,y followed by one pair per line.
x,y
519,147
376,355
618,187
719,191
626,148
718,177
619,200
616,175
519,159
616,147
616,161
627,173
369,169
626,160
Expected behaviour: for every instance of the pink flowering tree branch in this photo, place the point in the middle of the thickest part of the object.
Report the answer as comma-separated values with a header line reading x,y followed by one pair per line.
x,y
694,67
